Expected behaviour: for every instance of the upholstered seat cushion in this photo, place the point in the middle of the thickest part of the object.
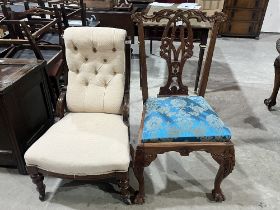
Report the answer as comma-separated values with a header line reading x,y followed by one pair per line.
x,y
82,144
182,119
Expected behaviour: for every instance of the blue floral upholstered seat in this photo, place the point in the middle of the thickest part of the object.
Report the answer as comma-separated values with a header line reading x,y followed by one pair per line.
x,y
182,119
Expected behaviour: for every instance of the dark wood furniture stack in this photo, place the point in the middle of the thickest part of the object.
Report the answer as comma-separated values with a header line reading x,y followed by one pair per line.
x,y
25,108
271,101
245,17
115,19
73,13
140,4
33,35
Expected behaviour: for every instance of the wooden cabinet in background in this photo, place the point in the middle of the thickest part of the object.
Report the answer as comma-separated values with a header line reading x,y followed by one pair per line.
x,y
245,17
115,19
25,108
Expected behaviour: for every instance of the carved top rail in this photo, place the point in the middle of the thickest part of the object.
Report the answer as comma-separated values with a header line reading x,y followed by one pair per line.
x,y
178,27
153,9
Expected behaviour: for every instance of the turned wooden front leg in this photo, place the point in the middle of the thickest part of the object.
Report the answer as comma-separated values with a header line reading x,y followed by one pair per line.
x,y
142,159
226,160
38,179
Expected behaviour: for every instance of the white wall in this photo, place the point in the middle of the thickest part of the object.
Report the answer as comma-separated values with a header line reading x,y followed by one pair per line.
x,y
271,21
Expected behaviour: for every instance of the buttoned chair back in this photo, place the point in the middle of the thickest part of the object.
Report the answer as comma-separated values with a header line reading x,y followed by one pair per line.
x,y
96,62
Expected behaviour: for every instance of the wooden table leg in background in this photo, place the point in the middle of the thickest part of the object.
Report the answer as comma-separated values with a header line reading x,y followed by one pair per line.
x,y
199,66
202,46
271,101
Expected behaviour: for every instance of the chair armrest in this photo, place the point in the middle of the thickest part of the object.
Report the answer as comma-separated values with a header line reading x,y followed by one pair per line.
x,y
125,109
61,105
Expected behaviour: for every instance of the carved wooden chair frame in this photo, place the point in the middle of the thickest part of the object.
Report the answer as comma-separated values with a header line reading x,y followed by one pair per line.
x,y
28,40
77,12
222,152
271,101
52,24
37,174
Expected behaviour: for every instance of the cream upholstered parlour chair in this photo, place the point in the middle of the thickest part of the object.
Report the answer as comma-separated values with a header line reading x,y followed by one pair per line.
x,y
92,140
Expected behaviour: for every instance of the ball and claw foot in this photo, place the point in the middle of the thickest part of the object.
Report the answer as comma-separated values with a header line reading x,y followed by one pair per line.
x,y
269,103
139,199
218,196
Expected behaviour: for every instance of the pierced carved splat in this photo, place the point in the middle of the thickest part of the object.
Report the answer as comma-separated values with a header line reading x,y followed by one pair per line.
x,y
177,28
176,45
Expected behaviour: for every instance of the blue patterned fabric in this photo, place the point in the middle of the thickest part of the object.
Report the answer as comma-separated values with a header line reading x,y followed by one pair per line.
x,y
182,119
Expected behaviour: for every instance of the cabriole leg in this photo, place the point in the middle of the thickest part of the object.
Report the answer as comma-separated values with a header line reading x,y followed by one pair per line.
x,y
271,101
226,161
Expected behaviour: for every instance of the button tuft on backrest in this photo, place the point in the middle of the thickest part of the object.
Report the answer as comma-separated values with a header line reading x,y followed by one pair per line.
x,y
96,58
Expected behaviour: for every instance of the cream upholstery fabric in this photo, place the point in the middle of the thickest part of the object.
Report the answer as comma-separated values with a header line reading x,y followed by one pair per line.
x,y
82,144
96,60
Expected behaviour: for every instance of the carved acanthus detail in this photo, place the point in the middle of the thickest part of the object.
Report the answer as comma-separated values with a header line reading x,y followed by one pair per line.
x,y
184,152
148,158
225,159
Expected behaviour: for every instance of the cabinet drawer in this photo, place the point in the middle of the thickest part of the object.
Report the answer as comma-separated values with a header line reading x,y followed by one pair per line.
x,y
243,14
240,28
249,4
